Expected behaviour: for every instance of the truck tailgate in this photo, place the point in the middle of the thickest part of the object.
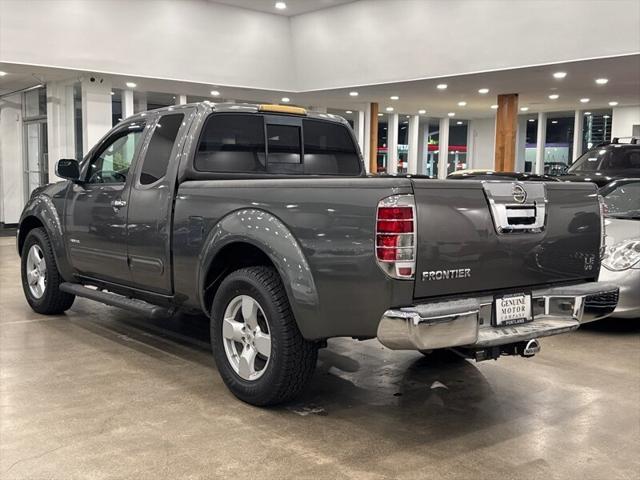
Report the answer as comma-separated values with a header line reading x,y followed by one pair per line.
x,y
478,236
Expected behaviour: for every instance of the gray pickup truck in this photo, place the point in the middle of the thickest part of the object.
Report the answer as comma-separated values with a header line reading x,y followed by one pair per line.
x,y
263,218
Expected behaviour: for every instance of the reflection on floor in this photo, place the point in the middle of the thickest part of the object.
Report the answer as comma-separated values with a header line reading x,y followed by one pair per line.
x,y
102,393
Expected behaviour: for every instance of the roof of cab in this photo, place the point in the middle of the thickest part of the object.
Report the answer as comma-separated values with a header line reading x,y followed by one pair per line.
x,y
251,108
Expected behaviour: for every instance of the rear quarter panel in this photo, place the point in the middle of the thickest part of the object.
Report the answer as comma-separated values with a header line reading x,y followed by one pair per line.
x,y
332,220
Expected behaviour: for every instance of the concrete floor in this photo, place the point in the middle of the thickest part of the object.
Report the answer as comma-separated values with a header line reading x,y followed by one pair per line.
x,y
101,393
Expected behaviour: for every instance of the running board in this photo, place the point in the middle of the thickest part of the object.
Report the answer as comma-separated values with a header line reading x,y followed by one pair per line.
x,y
138,306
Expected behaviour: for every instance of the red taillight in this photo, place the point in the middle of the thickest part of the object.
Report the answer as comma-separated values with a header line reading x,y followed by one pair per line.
x,y
395,236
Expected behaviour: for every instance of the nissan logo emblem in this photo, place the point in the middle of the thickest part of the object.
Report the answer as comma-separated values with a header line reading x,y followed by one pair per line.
x,y
519,194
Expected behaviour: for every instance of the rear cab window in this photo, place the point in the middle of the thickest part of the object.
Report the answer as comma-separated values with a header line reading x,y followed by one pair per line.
x,y
246,143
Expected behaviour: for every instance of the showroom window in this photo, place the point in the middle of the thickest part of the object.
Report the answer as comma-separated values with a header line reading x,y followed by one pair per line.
x,y
329,149
232,143
158,154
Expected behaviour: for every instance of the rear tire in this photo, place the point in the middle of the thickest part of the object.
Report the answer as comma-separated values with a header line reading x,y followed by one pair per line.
x,y
40,277
260,353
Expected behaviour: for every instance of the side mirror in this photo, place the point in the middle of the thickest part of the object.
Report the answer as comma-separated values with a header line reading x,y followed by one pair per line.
x,y
68,168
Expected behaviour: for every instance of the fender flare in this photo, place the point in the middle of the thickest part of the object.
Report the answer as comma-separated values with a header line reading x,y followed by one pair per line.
x,y
269,234
42,208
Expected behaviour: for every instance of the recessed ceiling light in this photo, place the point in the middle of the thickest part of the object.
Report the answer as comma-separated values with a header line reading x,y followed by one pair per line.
x,y
483,91
389,109
532,119
215,93
2,74
422,112
494,107
606,116
554,96
613,104
452,114
407,116
353,94
602,81
462,104
131,85
524,109
584,100
458,123
394,97
554,121
380,114
587,113
441,86
281,5
559,74
113,93
348,111
285,99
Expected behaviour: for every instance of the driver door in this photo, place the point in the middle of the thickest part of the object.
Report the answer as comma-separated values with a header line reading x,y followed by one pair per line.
x,y
96,208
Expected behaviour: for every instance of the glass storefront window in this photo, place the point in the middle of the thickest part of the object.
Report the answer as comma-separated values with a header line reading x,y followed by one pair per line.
x,y
429,161
35,103
457,156
383,124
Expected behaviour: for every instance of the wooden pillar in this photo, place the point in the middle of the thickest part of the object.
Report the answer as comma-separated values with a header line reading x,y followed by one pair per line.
x,y
506,132
373,139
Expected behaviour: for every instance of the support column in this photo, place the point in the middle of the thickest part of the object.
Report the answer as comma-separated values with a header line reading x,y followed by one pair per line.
x,y
359,128
181,99
60,124
578,125
127,103
506,131
541,140
373,138
392,144
96,112
443,148
140,102
414,144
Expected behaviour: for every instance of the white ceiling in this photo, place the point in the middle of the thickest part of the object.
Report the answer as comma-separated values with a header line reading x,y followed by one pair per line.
x,y
294,7
533,84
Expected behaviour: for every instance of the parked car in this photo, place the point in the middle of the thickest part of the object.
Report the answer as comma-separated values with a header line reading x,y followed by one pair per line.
x,y
555,168
263,218
622,258
493,175
606,162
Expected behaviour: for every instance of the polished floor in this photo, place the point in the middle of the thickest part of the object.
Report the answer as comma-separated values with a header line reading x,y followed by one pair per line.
x,y
100,393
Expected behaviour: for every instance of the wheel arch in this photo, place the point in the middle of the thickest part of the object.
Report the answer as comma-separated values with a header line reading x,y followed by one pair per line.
x,y
255,237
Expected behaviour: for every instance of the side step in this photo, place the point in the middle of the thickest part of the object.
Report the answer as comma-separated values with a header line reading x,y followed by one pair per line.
x,y
138,306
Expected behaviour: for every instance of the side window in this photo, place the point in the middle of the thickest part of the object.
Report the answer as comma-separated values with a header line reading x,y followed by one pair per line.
x,y
329,149
111,163
158,154
284,143
232,143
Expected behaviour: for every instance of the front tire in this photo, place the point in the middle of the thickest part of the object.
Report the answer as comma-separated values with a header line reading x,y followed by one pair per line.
x,y
40,277
260,353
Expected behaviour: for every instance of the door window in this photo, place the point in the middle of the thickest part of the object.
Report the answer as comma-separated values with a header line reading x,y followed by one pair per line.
x,y
112,162
158,154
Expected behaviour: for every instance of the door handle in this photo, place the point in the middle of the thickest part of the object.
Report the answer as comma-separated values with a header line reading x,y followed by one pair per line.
x,y
118,203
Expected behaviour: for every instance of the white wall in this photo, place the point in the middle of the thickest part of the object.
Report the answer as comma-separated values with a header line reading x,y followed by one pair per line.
x,y
195,40
11,166
624,118
373,41
483,141
364,42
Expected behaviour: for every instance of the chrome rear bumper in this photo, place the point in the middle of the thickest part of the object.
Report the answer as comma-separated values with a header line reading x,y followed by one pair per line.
x,y
467,322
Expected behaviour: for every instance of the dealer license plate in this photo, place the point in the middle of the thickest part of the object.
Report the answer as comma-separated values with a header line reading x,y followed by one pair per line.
x,y
512,309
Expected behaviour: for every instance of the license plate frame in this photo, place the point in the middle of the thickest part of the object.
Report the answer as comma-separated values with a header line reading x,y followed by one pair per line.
x,y
502,317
